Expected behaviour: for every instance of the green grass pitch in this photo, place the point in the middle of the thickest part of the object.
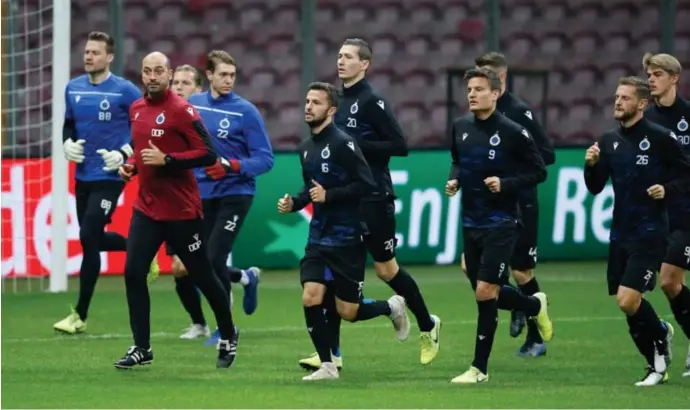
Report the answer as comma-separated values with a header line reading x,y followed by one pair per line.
x,y
591,362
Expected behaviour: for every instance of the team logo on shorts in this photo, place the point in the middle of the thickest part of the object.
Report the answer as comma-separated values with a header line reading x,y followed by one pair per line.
x,y
644,144
494,140
105,105
326,153
682,125
160,119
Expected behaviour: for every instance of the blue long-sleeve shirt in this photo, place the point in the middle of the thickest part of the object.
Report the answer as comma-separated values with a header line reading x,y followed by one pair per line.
x,y
98,114
239,134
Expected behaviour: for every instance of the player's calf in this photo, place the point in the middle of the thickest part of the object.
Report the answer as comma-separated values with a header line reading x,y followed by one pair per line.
x,y
678,294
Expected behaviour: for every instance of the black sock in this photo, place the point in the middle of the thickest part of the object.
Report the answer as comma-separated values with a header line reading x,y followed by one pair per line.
x,y
369,309
510,298
318,331
90,236
191,301
235,274
680,305
334,320
139,305
487,322
643,343
404,285
113,242
529,289
650,323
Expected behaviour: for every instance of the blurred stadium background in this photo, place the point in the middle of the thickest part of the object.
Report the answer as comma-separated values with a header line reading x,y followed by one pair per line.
x,y
565,57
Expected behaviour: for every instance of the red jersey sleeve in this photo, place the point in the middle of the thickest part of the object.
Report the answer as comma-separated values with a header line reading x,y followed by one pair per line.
x,y
201,152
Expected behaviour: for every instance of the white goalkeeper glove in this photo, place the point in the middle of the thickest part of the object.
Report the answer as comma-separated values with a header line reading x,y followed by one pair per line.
x,y
114,159
74,151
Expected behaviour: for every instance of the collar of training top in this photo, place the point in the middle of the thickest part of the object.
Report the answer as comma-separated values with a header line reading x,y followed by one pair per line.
x,y
490,120
328,129
221,98
356,88
161,99
636,128
676,104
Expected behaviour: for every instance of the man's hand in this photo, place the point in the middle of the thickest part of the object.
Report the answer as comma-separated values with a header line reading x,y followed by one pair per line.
x,y
452,187
317,193
656,191
113,159
494,184
74,151
221,168
152,156
285,204
127,171
592,155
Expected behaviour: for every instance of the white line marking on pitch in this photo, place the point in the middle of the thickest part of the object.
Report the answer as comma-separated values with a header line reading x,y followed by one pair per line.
x,y
277,329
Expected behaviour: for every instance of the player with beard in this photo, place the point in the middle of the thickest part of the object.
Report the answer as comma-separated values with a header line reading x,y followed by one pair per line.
x,y
96,136
336,177
368,117
645,163
671,111
170,140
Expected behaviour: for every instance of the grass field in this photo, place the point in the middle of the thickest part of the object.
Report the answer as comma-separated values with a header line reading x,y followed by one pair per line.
x,y
591,362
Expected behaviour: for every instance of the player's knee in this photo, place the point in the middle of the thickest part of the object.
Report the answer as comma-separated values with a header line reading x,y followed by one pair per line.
x,y
671,278
523,276
312,294
90,233
486,291
628,300
386,270
346,310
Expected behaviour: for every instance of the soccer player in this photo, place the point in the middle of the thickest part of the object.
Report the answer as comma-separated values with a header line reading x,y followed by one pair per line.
x,y
524,258
229,185
96,137
640,157
673,112
494,158
169,140
336,177
369,118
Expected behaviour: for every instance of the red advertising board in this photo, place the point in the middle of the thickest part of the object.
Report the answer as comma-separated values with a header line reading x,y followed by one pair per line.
x,y
26,233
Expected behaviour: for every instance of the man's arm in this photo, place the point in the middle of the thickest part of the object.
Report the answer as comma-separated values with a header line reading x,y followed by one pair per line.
x,y
350,156
302,198
455,159
260,158
201,151
536,130
534,169
679,162
391,141
69,129
597,174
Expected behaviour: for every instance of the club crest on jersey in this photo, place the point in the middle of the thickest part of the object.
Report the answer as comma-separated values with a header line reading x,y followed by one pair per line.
x,y
682,125
354,108
494,140
326,152
224,123
105,105
644,144
160,119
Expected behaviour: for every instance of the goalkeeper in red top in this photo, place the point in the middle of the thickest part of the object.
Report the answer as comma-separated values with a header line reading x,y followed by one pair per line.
x,y
169,140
